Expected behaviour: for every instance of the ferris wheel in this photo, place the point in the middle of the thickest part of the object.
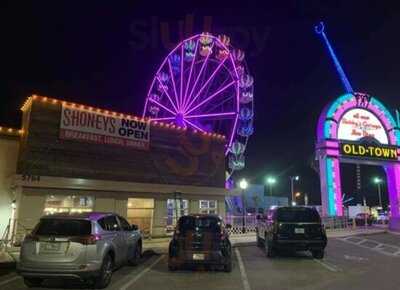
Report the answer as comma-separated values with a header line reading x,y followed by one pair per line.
x,y
204,85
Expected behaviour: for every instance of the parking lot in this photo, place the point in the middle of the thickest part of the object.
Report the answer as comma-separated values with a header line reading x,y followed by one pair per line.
x,y
358,262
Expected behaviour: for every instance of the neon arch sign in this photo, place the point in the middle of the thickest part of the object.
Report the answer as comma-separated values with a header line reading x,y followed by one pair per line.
x,y
381,128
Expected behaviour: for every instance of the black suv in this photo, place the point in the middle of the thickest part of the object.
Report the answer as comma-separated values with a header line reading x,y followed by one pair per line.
x,y
292,228
200,239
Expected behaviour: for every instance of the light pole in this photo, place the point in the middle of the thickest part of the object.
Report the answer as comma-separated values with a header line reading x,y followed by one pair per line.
x,y
243,185
292,180
378,181
271,181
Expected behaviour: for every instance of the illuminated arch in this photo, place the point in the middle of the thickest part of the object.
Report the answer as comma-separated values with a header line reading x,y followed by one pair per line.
x,y
327,150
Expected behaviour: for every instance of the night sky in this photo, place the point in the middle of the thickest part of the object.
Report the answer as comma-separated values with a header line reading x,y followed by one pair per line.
x,y
105,53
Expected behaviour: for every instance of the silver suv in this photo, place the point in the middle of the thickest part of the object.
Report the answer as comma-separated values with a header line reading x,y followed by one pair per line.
x,y
85,246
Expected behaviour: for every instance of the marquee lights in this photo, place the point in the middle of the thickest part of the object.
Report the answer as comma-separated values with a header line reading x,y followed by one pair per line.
x,y
11,131
53,101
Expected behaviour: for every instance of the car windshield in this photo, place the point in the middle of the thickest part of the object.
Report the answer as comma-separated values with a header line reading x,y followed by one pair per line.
x,y
191,223
63,227
298,215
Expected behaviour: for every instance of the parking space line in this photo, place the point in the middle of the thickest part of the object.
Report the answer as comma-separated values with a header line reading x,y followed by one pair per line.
x,y
329,266
245,280
9,280
141,274
380,248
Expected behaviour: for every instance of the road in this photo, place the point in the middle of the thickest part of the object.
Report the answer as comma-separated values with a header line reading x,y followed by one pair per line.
x,y
358,263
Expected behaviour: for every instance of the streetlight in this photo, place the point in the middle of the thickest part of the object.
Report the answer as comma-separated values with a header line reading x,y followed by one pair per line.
x,y
378,181
292,180
243,184
271,181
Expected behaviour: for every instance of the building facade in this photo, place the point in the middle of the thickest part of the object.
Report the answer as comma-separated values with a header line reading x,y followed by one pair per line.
x,y
75,158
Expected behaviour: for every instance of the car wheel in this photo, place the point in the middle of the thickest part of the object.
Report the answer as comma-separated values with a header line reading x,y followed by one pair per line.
x,y
136,255
228,266
318,254
33,282
105,273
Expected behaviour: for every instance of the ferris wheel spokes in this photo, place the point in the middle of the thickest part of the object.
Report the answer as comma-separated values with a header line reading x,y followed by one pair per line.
x,y
167,94
210,97
173,81
205,84
199,74
162,106
186,99
216,115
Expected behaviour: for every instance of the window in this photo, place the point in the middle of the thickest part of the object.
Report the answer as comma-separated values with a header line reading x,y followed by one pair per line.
x,y
176,207
204,224
124,224
63,227
208,206
109,223
68,204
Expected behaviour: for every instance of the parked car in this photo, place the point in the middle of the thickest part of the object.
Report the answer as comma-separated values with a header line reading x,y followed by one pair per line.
x,y
86,246
361,218
200,239
383,218
291,228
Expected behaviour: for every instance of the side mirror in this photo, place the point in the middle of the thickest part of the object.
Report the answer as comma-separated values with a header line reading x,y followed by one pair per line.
x,y
228,226
134,227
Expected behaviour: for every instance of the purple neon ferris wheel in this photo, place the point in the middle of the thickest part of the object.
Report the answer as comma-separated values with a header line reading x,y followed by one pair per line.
x,y
204,85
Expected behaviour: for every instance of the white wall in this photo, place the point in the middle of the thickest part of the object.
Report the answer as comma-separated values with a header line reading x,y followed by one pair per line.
x,y
8,164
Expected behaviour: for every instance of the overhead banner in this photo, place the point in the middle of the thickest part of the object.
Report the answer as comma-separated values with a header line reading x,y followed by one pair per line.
x,y
371,151
89,126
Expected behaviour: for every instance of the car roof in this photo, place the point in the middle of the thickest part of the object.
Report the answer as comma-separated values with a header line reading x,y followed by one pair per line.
x,y
201,215
84,215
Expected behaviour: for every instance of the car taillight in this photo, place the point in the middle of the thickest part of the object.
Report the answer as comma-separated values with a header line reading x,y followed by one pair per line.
x,y
86,240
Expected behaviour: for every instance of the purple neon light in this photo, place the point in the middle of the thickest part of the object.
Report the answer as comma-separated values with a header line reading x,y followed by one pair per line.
x,y
163,119
173,82
190,75
168,96
206,83
210,115
184,101
210,97
193,125
159,70
162,106
198,76
181,89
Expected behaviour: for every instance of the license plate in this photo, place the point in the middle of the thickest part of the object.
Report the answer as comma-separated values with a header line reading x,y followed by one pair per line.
x,y
198,256
50,247
299,231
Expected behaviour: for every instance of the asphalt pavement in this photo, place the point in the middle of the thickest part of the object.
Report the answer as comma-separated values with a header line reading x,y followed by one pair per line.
x,y
359,263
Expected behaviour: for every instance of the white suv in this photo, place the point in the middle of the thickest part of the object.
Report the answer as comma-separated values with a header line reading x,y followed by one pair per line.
x,y
85,246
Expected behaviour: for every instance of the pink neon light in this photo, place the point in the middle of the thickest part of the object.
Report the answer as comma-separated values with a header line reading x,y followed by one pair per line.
x,y
173,82
168,96
237,104
199,74
210,97
193,125
206,83
211,115
162,106
337,187
190,75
